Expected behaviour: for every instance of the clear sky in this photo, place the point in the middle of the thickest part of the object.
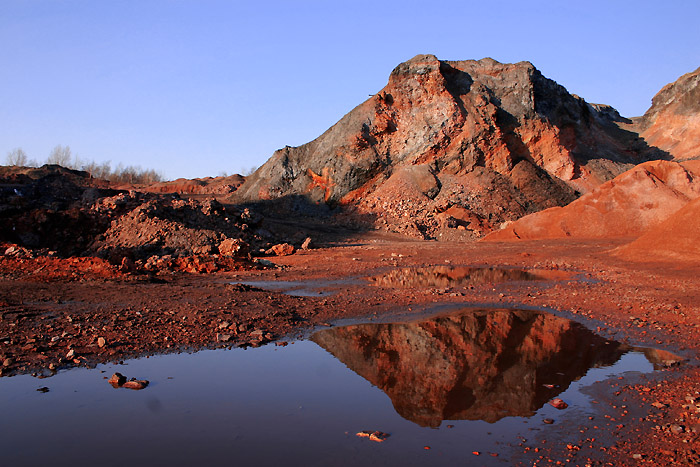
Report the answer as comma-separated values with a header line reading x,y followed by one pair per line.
x,y
196,88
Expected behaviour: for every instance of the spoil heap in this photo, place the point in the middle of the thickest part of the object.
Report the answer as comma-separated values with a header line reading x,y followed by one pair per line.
x,y
460,145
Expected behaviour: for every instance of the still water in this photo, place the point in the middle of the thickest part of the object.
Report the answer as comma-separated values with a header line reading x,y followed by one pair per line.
x,y
458,382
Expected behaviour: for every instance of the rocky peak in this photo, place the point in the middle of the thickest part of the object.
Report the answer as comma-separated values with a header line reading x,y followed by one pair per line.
x,y
672,123
455,128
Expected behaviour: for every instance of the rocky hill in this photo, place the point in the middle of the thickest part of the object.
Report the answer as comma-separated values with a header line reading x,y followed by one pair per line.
x,y
461,145
675,239
672,123
626,206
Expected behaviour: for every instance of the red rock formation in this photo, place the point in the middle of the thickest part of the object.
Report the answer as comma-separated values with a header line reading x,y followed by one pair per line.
x,y
473,365
626,206
496,140
676,239
672,123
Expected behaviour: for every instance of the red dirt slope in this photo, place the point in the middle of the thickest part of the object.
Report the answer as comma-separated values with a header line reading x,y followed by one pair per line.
x,y
676,239
626,206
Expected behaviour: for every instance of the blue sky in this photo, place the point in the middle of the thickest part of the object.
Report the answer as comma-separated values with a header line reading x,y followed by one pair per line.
x,y
197,88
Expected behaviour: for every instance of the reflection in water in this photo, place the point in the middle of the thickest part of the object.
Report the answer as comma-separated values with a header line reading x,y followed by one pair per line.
x,y
450,276
471,365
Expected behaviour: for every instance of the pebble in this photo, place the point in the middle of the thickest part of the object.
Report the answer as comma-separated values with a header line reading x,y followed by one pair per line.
x,y
558,403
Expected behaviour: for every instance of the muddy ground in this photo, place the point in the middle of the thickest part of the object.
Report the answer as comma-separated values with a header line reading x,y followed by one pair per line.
x,y
60,313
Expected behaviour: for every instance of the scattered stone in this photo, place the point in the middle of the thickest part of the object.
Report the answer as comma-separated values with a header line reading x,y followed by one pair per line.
x,y
376,436
223,337
135,384
71,354
7,362
307,244
233,247
677,429
266,263
548,421
281,249
558,403
118,380
101,342
127,265
43,390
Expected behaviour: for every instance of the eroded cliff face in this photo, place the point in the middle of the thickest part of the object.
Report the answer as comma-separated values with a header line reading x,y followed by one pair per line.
x,y
672,123
473,365
494,140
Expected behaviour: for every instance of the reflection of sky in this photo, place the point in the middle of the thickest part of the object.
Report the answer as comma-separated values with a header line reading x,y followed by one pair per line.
x,y
288,405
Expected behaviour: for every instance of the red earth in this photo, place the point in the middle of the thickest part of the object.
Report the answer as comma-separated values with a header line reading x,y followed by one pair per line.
x,y
51,307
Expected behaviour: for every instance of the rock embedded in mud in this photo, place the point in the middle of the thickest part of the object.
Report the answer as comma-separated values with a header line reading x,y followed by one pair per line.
x,y
281,249
135,384
117,380
558,403
233,247
376,436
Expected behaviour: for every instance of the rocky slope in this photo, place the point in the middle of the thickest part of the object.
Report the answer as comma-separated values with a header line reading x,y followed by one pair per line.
x,y
56,211
675,239
463,145
626,206
672,123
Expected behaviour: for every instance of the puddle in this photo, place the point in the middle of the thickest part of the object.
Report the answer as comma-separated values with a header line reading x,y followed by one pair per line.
x,y
459,382
310,288
461,276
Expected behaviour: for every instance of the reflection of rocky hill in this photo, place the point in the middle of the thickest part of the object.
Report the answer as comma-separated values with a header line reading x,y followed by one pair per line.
x,y
449,276
473,365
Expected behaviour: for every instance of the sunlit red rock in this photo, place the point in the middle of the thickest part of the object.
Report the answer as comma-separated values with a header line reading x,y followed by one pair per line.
x,y
626,206
497,140
672,123
676,239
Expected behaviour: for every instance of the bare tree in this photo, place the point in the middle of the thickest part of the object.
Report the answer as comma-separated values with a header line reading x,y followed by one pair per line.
x,y
60,155
17,157
249,171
